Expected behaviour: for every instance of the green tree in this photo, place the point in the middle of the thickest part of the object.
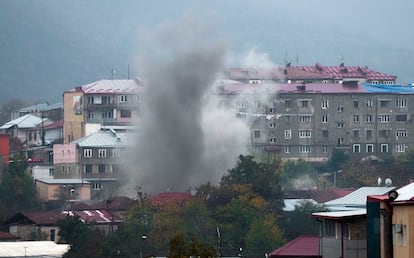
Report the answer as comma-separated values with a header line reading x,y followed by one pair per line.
x,y
298,175
17,189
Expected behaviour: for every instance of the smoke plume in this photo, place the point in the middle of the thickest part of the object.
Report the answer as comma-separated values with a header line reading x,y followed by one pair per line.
x,y
183,138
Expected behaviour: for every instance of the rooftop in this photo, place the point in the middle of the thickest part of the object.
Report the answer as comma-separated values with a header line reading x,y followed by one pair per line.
x,y
303,246
108,138
26,121
113,86
32,249
340,214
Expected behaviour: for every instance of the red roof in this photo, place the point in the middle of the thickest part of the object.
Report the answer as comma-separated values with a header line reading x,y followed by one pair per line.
x,y
36,217
320,196
163,198
303,246
5,236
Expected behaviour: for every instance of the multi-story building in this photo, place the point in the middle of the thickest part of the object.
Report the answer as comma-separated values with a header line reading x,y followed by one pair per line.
x,y
311,121
95,158
102,104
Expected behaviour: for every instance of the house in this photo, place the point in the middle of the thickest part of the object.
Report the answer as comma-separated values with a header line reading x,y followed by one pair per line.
x,y
52,111
343,233
118,205
47,133
95,158
390,223
35,225
103,220
19,127
101,104
72,190
301,247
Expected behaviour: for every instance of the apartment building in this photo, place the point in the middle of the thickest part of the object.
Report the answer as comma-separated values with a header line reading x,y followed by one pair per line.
x,y
310,121
96,158
101,104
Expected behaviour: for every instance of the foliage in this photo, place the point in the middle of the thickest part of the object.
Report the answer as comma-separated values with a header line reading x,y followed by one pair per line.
x,y
337,160
17,189
303,214
297,174
180,247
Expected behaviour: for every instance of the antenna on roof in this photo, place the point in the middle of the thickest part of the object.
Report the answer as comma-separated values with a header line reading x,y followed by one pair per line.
x,y
341,59
113,72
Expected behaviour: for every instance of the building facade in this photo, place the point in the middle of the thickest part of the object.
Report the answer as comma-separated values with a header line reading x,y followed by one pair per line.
x,y
105,103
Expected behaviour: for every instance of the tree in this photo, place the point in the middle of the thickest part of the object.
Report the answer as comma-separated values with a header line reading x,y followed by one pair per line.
x,y
17,189
298,175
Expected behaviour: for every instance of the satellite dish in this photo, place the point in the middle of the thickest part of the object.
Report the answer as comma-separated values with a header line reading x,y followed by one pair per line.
x,y
388,182
379,181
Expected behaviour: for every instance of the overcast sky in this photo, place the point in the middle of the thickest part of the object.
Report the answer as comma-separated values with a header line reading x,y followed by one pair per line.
x,y
57,45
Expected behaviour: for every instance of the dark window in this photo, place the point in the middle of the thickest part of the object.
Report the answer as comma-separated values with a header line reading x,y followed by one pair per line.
x,y
401,118
52,234
125,113
101,168
88,168
257,134
325,134
356,104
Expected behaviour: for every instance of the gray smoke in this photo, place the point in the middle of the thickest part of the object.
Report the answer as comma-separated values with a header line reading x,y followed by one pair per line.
x,y
183,138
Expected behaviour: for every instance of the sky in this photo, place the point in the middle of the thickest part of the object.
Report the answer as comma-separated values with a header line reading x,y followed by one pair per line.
x,y
47,46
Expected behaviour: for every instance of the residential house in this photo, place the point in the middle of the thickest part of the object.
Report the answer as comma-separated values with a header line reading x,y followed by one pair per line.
x,y
19,127
118,205
96,158
47,133
101,104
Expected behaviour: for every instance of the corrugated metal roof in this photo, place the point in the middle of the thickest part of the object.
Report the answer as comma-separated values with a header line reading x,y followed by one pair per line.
x,y
384,88
26,121
42,107
33,249
105,138
114,86
405,193
358,198
340,214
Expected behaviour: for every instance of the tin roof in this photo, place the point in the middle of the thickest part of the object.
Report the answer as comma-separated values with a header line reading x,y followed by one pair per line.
x,y
357,198
340,214
63,181
33,249
303,246
108,138
405,193
113,86
26,121
96,216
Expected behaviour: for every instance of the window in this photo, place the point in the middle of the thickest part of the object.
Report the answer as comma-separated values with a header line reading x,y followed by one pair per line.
x,y
384,133
272,110
356,148
384,103
324,149
400,234
107,114
304,149
51,172
325,104
340,141
401,103
345,230
340,124
340,109
325,133
125,113
355,133
256,133
116,168
401,147
305,134
368,134
384,118
305,119
356,119
91,100
304,103
369,148
123,98
401,133
287,149
96,186
91,115
288,103
369,103
384,147
102,153
102,168
63,169
356,103
52,235
324,119
287,119
116,153
30,136
88,168
272,125
368,119
375,82
272,140
106,99
288,134
241,103
87,153
330,228
401,118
